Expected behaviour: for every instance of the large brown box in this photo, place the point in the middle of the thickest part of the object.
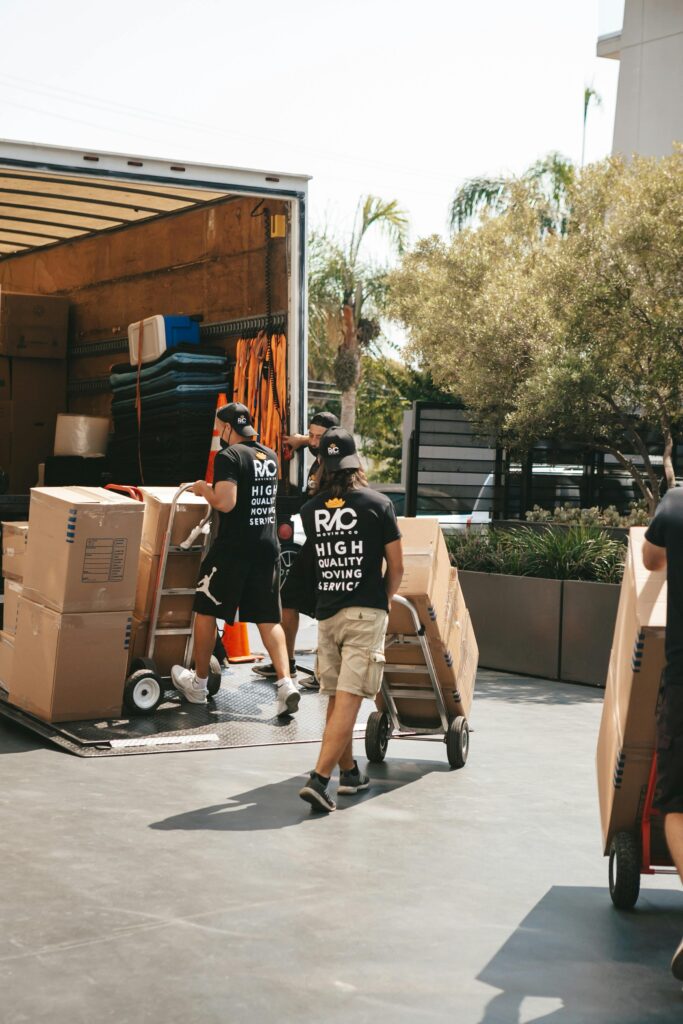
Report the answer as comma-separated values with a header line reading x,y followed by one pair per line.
x,y
33,326
69,667
27,421
190,510
14,542
83,550
5,385
6,659
168,650
182,570
627,729
10,610
426,577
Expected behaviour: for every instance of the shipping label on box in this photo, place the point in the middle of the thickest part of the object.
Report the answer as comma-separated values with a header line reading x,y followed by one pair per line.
x,y
6,659
189,512
12,593
33,326
84,549
69,667
14,544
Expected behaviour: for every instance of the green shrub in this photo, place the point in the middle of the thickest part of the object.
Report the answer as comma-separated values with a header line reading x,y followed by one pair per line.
x,y
578,553
570,515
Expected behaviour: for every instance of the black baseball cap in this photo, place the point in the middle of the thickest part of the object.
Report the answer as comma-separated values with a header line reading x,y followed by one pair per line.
x,y
239,418
338,450
324,419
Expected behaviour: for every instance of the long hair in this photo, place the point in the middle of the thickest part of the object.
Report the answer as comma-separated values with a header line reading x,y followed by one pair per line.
x,y
342,481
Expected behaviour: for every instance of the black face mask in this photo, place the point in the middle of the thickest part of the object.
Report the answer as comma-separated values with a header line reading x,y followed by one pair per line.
x,y
223,443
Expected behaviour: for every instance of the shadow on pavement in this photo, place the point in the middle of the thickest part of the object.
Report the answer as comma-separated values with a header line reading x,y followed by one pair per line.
x,y
526,690
578,960
278,805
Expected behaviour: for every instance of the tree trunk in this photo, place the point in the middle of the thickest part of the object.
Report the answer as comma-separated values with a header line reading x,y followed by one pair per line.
x,y
349,391
669,472
640,481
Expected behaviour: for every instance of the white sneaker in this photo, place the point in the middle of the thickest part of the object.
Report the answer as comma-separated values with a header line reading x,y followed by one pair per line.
x,y
185,680
288,698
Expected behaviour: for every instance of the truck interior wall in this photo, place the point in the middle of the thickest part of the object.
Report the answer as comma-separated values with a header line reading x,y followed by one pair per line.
x,y
209,261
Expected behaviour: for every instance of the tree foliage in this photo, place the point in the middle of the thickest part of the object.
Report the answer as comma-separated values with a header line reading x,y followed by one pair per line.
x,y
578,336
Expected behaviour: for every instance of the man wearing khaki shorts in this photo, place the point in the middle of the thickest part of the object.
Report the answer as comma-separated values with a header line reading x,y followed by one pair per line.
x,y
353,531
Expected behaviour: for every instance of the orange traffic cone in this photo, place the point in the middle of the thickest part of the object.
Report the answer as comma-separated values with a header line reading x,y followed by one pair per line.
x,y
236,644
215,440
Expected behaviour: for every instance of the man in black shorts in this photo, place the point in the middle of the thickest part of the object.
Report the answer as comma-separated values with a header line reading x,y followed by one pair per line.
x,y
241,571
298,591
664,549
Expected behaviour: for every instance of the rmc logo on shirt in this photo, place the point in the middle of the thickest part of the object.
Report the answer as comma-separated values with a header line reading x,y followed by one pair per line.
x,y
335,517
266,468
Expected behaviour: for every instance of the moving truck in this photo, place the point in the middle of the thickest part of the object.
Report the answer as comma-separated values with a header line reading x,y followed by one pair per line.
x,y
123,238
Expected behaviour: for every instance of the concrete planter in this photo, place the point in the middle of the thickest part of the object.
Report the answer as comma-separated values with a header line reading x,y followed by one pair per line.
x,y
589,611
516,622
558,629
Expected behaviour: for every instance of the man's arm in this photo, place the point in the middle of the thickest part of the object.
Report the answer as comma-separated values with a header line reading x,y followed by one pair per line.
x,y
654,557
393,554
295,441
222,496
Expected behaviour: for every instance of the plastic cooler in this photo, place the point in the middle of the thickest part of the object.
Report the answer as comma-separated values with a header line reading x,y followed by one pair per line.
x,y
159,334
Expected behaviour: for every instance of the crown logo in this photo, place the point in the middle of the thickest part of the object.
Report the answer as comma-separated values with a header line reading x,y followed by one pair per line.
x,y
332,449
260,456
335,503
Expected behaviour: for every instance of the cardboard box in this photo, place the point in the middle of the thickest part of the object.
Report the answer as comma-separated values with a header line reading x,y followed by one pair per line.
x,y
84,549
27,422
626,740
5,384
69,667
182,570
6,659
12,593
426,578
33,326
14,543
190,510
168,650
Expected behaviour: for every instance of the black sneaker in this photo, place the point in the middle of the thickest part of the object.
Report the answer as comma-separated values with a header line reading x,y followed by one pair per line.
x,y
677,963
352,781
268,671
308,679
315,794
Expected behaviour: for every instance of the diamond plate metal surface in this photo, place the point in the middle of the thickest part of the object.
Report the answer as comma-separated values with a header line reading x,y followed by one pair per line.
x,y
242,714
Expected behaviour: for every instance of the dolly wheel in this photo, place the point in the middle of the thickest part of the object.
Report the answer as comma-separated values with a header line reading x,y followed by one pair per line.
x,y
376,737
458,742
624,870
143,692
214,683
147,663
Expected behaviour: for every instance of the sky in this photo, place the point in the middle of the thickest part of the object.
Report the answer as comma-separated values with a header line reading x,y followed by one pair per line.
x,y
404,100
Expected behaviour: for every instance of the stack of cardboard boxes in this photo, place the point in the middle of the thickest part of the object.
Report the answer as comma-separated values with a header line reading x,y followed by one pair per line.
x,y
182,569
626,741
74,613
431,584
33,336
14,540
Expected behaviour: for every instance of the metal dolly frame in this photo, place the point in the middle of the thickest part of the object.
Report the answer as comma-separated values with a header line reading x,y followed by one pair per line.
x,y
381,725
145,687
630,853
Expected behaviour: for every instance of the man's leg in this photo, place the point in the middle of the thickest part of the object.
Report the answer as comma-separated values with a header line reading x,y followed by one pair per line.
x,y
273,637
290,625
338,737
673,828
204,643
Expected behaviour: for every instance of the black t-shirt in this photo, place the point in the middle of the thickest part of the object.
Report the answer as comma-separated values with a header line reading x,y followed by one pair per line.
x,y
666,531
250,527
348,535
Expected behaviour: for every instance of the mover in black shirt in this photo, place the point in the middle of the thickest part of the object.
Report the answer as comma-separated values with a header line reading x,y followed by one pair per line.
x,y
353,531
241,571
664,549
298,591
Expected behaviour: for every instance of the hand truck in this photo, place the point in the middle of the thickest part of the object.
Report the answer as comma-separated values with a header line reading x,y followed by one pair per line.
x,y
630,853
382,725
145,687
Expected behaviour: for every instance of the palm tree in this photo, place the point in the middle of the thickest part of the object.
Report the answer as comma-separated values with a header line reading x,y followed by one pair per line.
x,y
347,294
589,94
547,181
